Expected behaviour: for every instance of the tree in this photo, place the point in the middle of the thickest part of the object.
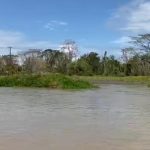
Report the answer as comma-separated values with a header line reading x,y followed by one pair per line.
x,y
70,48
137,58
93,60
80,67
111,66
142,43
7,68
56,61
32,62
128,53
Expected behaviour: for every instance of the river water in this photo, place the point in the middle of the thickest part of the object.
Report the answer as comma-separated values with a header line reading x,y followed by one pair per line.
x,y
113,117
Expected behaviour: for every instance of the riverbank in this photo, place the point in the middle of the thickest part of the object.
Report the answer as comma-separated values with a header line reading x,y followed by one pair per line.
x,y
56,81
110,79
59,81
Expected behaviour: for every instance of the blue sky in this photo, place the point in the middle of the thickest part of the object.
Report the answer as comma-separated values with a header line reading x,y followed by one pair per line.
x,y
96,25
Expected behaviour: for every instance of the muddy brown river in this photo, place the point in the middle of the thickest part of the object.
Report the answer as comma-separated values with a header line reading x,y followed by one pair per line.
x,y
113,117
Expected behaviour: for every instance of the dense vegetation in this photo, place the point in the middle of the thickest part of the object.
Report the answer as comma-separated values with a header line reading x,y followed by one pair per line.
x,y
49,81
135,61
114,79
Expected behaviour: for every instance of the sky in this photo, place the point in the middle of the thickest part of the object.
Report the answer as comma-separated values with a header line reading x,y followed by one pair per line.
x,y
96,25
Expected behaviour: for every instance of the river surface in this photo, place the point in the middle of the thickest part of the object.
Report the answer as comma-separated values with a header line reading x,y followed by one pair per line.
x,y
113,117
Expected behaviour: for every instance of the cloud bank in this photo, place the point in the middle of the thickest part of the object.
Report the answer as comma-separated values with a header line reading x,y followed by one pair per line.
x,y
20,42
131,19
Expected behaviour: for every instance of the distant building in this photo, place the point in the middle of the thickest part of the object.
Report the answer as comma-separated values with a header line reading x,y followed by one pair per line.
x,y
31,53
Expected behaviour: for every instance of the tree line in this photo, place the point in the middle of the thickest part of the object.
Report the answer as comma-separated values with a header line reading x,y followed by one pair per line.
x,y
135,61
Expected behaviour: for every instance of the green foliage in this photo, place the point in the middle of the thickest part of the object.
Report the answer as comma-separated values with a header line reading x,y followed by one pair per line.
x,y
91,64
111,66
135,61
114,79
56,61
93,60
81,67
48,81
88,64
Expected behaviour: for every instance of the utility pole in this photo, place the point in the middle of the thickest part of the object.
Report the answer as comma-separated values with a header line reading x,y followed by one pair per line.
x,y
10,54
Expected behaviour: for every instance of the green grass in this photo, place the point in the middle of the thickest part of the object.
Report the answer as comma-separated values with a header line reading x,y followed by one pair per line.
x,y
111,79
57,81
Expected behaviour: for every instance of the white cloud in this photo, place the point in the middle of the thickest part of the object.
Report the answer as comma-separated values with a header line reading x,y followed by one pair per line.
x,y
9,38
122,41
20,42
54,24
133,17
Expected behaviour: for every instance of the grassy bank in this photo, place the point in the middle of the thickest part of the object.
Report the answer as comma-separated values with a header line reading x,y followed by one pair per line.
x,y
57,81
108,79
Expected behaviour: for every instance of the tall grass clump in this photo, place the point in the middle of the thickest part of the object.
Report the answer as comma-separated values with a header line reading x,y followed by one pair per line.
x,y
114,79
49,81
